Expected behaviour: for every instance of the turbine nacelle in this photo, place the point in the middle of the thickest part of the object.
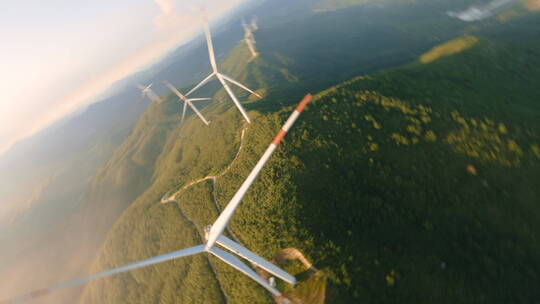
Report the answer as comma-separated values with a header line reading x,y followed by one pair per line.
x,y
147,88
148,92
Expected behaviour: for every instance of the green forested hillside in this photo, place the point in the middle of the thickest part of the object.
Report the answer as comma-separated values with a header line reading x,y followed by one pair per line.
x,y
120,181
292,61
414,185
139,161
392,200
374,184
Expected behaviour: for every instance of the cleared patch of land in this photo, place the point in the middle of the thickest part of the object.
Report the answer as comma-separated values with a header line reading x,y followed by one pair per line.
x,y
449,48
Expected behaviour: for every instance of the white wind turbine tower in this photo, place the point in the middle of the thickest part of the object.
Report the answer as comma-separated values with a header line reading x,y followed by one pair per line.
x,y
220,76
249,38
148,92
188,102
214,235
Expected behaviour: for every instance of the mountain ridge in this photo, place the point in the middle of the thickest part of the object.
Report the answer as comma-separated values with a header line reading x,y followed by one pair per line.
x,y
401,138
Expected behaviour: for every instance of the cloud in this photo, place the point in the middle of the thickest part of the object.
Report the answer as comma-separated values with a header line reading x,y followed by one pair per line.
x,y
475,13
168,18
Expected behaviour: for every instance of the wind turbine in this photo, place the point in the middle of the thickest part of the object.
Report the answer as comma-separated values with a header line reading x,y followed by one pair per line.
x,y
187,102
148,92
249,38
214,235
220,76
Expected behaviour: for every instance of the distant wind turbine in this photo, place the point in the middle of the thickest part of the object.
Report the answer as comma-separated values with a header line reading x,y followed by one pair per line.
x,y
148,92
214,235
249,37
188,102
221,77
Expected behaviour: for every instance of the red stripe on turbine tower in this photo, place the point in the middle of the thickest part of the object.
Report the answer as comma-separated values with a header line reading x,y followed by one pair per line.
x,y
304,103
292,119
279,137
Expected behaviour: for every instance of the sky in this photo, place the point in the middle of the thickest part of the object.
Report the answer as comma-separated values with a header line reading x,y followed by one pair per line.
x,y
57,55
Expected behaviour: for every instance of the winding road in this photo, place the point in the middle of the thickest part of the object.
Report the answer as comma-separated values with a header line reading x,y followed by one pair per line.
x,y
213,178
172,198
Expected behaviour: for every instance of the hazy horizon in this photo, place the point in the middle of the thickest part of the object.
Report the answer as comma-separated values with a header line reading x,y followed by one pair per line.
x,y
67,71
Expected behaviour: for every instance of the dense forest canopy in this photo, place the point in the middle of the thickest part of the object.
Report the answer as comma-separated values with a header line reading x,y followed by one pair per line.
x,y
415,184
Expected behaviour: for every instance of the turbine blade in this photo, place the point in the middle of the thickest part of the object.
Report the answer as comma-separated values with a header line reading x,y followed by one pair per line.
x,y
197,112
238,265
199,99
205,81
225,216
210,44
82,280
174,90
229,79
153,96
183,113
233,97
255,259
